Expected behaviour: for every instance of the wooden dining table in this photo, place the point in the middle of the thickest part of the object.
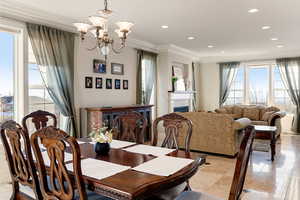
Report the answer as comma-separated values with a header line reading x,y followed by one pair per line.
x,y
131,184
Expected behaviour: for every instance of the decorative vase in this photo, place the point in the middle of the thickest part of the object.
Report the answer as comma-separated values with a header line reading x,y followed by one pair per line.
x,y
102,148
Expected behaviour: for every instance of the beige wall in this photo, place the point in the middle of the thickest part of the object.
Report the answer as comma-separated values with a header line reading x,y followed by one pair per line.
x,y
103,97
209,86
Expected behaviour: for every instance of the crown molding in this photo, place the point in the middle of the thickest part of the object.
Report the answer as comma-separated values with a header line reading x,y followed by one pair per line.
x,y
20,12
178,51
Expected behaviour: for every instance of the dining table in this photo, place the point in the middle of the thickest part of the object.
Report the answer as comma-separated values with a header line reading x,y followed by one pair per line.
x,y
132,184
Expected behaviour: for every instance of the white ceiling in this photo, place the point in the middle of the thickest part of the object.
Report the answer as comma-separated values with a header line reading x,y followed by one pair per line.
x,y
226,24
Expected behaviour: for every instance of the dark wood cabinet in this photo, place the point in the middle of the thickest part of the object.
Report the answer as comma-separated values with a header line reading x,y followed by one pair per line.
x,y
104,116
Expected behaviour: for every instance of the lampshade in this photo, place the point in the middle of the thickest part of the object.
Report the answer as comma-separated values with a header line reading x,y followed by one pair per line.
x,y
121,34
82,27
98,21
94,32
124,26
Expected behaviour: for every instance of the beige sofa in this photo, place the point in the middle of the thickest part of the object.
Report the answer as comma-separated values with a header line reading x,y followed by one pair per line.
x,y
259,115
214,133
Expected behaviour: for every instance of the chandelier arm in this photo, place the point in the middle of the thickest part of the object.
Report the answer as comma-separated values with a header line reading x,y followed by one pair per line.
x,y
118,50
93,48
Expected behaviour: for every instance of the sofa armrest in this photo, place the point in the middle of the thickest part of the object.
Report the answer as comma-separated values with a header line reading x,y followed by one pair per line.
x,y
241,123
274,116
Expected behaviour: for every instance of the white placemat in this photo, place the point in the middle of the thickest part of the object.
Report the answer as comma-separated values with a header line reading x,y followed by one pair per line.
x,y
118,144
99,169
79,142
149,150
164,165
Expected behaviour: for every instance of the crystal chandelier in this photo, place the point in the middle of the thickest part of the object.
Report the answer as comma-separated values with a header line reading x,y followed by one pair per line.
x,y
99,28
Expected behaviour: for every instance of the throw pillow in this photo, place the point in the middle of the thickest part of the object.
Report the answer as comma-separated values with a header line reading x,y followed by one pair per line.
x,y
238,111
267,115
251,113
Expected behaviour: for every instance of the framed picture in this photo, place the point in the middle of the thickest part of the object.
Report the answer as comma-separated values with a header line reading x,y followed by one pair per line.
x,y
108,83
117,68
117,84
99,83
88,82
99,66
125,84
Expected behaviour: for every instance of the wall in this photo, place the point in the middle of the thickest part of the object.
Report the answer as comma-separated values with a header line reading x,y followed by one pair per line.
x,y
103,97
209,86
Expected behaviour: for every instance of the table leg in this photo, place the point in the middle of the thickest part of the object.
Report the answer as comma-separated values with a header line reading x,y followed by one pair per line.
x,y
273,145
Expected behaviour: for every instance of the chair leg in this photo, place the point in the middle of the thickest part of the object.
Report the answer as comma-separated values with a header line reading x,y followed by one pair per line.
x,y
15,187
188,187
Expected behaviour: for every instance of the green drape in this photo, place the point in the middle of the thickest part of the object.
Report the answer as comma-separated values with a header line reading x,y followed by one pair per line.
x,y
289,69
54,53
194,87
227,74
146,76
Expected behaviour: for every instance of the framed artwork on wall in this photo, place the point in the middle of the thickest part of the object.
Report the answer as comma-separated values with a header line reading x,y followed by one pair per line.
x,y
88,82
108,83
99,66
125,84
99,83
117,84
117,68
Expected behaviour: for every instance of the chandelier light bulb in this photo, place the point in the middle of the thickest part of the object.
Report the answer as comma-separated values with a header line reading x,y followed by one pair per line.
x,y
98,21
125,26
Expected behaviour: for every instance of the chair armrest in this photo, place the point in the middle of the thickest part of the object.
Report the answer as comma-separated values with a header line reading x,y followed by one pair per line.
x,y
241,123
274,116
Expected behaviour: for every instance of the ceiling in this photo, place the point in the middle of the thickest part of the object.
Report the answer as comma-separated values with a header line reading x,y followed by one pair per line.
x,y
226,24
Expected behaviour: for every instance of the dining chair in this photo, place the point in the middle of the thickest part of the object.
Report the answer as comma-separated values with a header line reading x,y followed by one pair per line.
x,y
20,163
239,173
40,119
130,127
174,125
55,180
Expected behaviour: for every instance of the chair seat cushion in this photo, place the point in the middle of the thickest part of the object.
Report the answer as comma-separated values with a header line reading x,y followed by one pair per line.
x,y
27,190
190,195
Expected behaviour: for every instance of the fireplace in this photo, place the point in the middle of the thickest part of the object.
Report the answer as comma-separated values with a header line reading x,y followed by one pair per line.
x,y
181,109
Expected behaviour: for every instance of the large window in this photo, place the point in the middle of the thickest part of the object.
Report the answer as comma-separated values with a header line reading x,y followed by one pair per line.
x,y
259,84
6,75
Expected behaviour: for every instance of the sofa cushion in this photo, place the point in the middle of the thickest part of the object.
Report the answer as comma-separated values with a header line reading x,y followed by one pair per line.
x,y
221,111
238,111
268,109
267,115
251,113
262,123
229,109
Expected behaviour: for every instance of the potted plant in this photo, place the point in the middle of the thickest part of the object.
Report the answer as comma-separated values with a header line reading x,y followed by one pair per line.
x,y
102,138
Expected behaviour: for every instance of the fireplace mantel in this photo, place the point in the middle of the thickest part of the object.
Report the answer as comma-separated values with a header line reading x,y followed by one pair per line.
x,y
181,98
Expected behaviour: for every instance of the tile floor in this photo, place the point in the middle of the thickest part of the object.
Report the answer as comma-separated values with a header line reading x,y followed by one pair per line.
x,y
265,180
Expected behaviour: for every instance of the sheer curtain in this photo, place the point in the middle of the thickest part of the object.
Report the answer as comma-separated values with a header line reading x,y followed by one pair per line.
x,y
289,69
228,72
54,53
146,76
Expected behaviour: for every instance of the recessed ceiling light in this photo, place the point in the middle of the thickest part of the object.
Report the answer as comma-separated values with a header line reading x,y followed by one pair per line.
x,y
265,27
222,51
191,38
280,46
253,10
274,39
210,46
164,26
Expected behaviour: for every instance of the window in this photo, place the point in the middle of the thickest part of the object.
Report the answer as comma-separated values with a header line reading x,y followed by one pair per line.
x,y
236,94
6,76
38,96
281,97
259,84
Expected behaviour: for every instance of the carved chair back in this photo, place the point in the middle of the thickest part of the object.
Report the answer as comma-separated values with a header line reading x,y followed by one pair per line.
x,y
242,163
19,156
130,127
40,119
60,185
172,124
